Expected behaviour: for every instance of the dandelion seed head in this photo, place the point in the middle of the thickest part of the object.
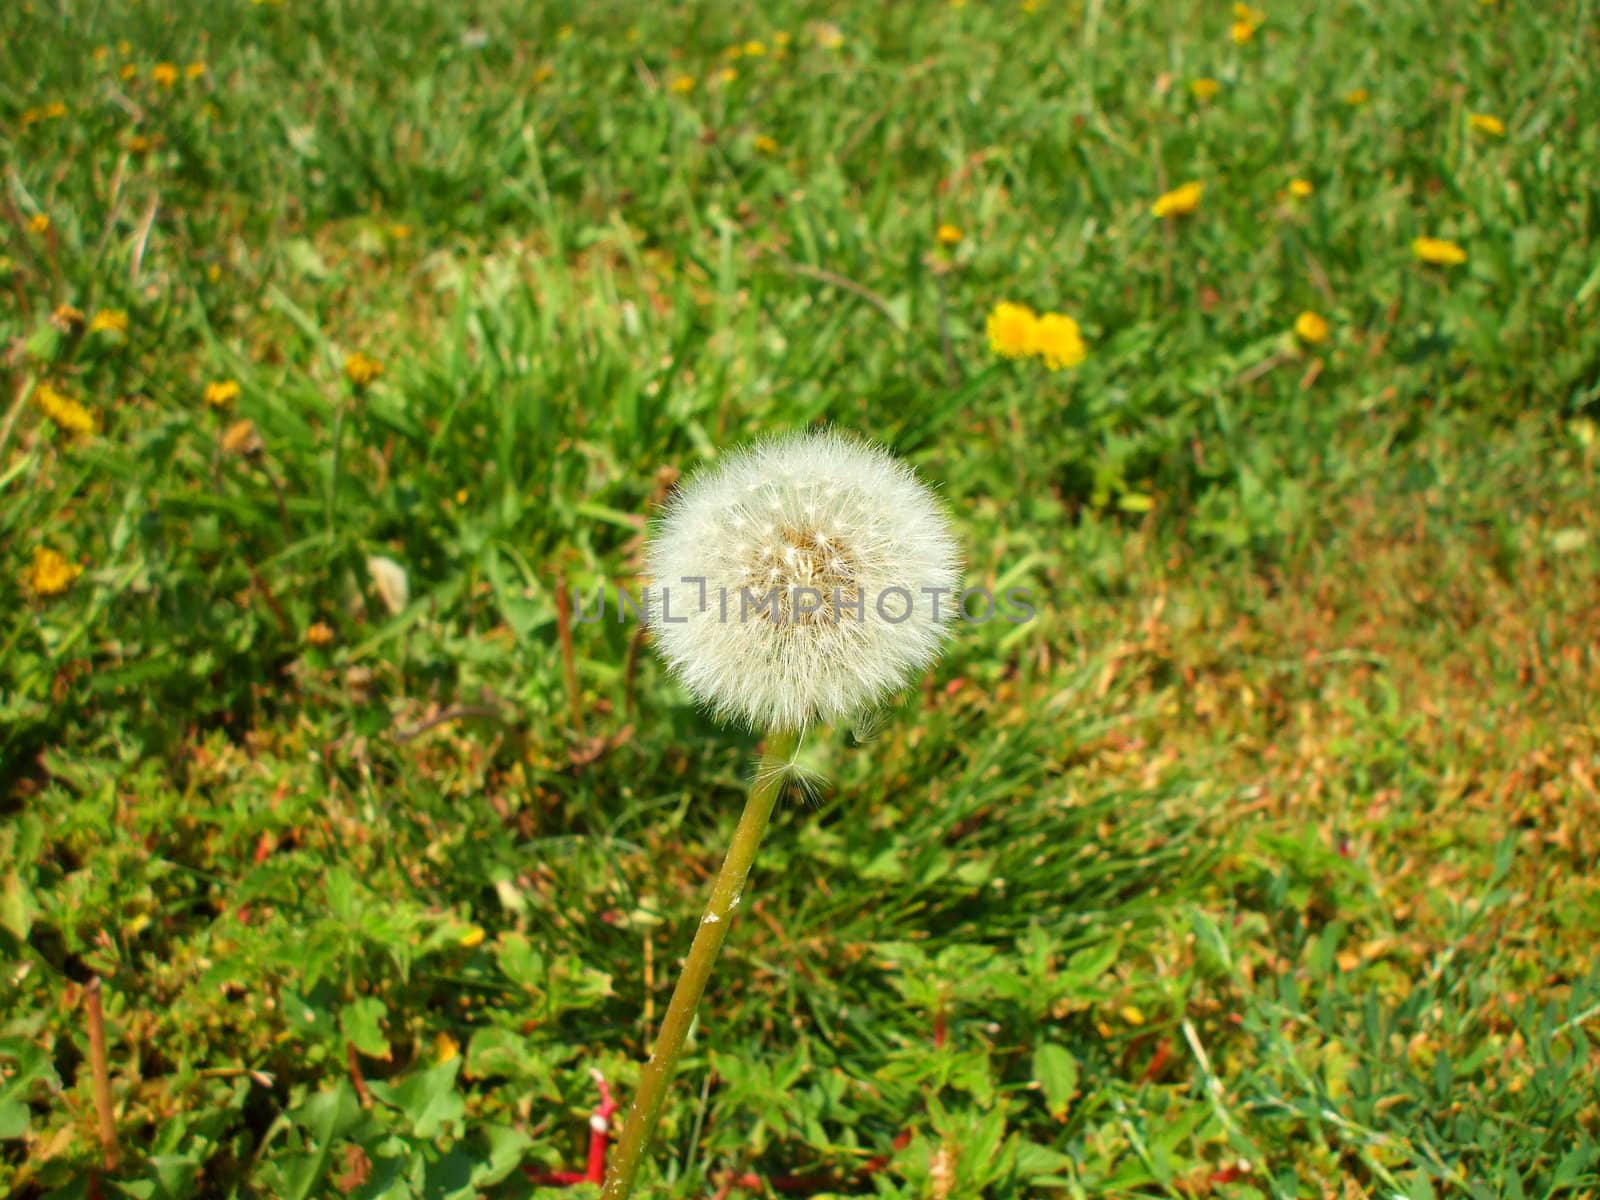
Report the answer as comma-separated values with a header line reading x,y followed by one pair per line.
x,y
802,536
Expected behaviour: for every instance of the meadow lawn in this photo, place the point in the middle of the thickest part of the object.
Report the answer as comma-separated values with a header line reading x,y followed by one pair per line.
x,y
340,337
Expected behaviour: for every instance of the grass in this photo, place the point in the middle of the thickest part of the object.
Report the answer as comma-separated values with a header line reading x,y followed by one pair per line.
x,y
1259,864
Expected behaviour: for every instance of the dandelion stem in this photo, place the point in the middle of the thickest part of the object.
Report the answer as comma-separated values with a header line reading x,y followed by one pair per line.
x,y
657,1072
333,470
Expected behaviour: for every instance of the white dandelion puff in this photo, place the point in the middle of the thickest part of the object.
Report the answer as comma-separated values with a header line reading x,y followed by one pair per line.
x,y
801,580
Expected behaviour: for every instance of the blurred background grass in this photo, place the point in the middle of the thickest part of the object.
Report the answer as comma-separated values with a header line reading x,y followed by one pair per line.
x,y
1259,864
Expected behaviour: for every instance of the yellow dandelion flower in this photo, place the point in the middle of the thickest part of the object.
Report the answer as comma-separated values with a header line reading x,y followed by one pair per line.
x,y
1300,188
139,144
733,52
361,370
1204,89
100,53
1242,31
1311,328
39,222
1030,6
948,235
1058,341
543,73
128,71
1438,252
164,74
66,318
765,144
1011,329
682,85
1180,201
473,936
727,75
781,38
319,633
221,393
755,48
1356,97
564,33
124,48
445,1048
397,230
1243,12
1484,123
65,412
109,320
194,70
51,572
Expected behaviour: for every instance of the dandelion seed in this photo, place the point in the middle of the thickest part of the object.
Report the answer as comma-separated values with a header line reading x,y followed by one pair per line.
x,y
1059,342
51,572
877,622
1311,328
164,74
109,320
391,581
1011,329
948,236
828,35
1484,123
241,439
221,394
1179,202
1438,252
361,370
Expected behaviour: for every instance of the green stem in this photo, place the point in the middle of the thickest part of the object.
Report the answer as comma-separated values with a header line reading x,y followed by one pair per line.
x,y
657,1072
333,470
